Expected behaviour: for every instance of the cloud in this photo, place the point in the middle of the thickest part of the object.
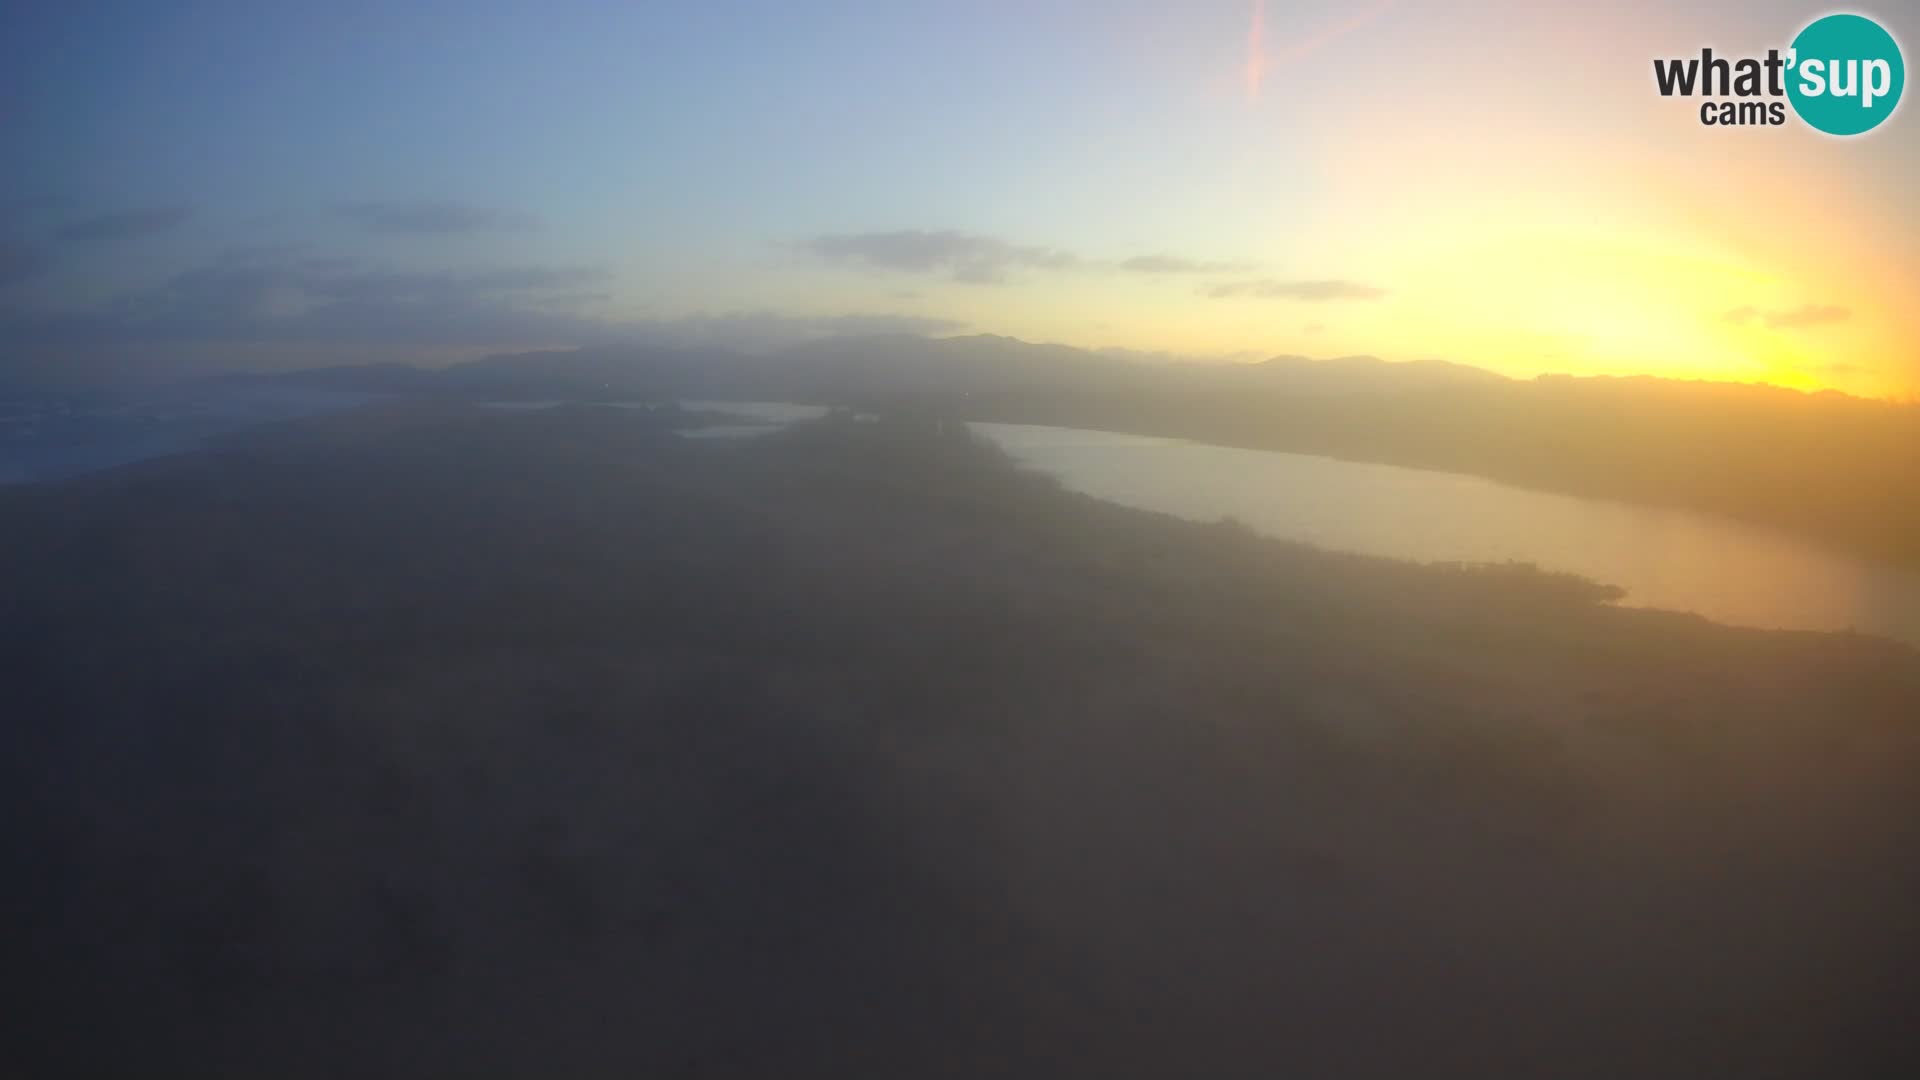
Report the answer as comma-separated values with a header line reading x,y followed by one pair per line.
x,y
1807,315
267,295
969,257
1177,264
427,217
1313,328
1329,34
962,256
125,224
1311,291
1804,316
284,296
1259,61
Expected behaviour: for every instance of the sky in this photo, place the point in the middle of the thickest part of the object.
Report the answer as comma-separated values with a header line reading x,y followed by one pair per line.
x,y
1498,183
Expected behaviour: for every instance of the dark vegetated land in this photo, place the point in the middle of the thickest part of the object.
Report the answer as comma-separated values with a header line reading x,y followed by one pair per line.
x,y
420,741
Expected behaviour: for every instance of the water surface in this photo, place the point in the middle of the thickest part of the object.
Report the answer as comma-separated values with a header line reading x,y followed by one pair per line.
x,y
1727,570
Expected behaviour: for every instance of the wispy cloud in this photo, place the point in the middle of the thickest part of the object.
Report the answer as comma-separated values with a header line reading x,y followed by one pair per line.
x,y
286,296
1311,291
962,256
264,296
1256,66
1179,264
1260,60
431,217
125,224
1331,33
970,257
1806,315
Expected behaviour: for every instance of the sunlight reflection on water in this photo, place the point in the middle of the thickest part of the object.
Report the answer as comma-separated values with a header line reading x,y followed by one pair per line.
x,y
1676,559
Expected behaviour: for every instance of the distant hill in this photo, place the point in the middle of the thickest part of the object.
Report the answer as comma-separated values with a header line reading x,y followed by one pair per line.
x,y
851,368
1353,373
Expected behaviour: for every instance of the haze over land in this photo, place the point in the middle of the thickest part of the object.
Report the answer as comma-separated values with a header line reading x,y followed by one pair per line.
x,y
432,741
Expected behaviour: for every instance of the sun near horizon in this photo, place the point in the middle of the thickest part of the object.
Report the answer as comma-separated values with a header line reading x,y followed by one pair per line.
x,y
1496,184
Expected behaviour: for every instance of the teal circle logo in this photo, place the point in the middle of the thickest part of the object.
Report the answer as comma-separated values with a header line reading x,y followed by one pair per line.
x,y
1845,74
